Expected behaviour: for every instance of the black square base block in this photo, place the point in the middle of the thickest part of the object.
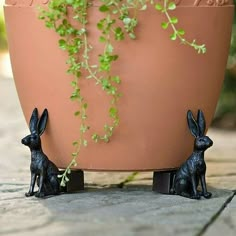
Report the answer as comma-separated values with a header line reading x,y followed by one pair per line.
x,y
76,182
163,181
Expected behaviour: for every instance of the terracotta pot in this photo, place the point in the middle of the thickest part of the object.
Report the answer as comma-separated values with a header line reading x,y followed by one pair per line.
x,y
161,81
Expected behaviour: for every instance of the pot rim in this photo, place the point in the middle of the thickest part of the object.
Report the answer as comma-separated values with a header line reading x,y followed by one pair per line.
x,y
179,3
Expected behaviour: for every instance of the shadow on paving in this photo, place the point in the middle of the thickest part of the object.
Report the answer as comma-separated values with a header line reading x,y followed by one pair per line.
x,y
99,210
134,209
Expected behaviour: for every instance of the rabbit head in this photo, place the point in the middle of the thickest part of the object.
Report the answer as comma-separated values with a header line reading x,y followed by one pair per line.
x,y
197,128
37,126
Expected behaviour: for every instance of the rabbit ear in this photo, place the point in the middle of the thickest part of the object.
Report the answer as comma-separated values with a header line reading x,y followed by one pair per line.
x,y
33,121
192,124
43,122
201,122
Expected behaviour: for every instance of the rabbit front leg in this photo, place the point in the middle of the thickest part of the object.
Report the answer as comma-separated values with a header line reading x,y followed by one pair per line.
x,y
32,183
204,188
195,195
40,192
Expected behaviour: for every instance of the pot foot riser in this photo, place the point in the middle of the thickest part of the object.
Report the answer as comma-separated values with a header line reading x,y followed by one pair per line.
x,y
163,181
75,183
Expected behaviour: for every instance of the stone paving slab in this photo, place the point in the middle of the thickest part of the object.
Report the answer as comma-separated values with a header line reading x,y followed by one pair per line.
x,y
224,148
225,224
104,209
107,211
5,65
221,169
223,182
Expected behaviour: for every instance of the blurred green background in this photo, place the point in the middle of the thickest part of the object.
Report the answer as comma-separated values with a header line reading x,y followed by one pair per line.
x,y
3,41
225,116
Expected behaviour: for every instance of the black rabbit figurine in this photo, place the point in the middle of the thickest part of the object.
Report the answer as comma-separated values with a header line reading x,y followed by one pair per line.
x,y
42,169
194,169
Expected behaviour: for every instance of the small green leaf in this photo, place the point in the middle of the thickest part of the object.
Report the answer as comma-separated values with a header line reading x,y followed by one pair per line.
x,y
109,48
118,30
100,25
119,35
102,39
85,105
143,8
174,20
82,31
103,8
49,25
106,138
73,83
171,6
77,113
74,97
164,25
173,36
70,2
84,117
127,20
116,79
181,32
62,44
41,17
159,7
75,143
203,47
84,128
85,143
113,112
95,137
115,11
115,57
132,35
78,74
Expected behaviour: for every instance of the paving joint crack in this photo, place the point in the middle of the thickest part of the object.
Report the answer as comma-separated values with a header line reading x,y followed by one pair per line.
x,y
218,213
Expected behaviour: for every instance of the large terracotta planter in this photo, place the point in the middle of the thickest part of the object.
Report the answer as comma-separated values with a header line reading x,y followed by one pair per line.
x,y
161,81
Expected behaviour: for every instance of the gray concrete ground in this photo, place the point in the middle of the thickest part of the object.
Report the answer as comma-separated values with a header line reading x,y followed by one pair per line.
x,y
103,209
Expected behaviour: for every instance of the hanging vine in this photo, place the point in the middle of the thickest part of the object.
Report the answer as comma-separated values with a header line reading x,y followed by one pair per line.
x,y
120,18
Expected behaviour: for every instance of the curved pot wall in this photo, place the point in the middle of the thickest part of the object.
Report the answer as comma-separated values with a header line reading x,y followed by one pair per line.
x,y
161,81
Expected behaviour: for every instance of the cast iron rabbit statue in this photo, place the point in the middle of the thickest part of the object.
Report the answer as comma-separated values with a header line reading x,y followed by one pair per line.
x,y
194,169
42,169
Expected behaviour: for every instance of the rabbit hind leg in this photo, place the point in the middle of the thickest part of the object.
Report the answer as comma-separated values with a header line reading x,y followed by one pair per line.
x,y
183,188
52,186
55,184
47,188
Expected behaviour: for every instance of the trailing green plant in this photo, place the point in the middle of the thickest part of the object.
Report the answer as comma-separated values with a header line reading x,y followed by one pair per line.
x,y
130,178
119,20
177,33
